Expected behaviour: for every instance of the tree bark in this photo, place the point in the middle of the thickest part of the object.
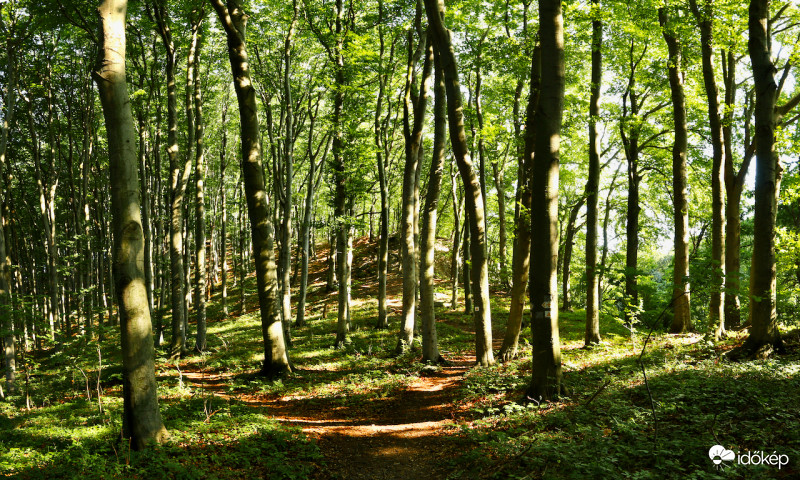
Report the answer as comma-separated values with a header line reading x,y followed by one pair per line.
x,y
474,199
734,184
682,319
569,241
285,266
234,21
412,131
520,268
592,333
430,342
201,274
141,417
383,245
764,332
6,303
177,345
543,281
716,315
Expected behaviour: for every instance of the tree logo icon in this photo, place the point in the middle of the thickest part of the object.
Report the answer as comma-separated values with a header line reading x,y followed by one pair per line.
x,y
719,454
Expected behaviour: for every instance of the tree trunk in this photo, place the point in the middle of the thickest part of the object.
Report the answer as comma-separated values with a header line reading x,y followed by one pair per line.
x,y
499,185
474,199
716,316
201,274
520,268
592,334
383,245
6,304
734,183
307,212
455,259
543,284
682,319
763,317
177,345
141,417
285,267
430,342
569,241
223,202
234,20
412,131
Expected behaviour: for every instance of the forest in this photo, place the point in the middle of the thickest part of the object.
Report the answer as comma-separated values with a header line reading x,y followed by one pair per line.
x,y
373,239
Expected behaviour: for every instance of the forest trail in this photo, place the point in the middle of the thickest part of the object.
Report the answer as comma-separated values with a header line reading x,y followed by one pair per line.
x,y
404,437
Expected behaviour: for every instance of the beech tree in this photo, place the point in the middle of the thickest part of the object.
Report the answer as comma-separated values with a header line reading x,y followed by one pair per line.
x,y
234,21
141,421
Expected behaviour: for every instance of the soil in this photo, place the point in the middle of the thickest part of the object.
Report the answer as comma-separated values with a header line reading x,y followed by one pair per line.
x,y
410,437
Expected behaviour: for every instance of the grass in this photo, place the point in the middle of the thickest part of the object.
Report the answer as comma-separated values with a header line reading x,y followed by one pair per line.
x,y
606,427
213,404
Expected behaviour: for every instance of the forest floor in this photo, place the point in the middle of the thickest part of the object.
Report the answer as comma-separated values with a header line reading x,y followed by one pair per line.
x,y
362,412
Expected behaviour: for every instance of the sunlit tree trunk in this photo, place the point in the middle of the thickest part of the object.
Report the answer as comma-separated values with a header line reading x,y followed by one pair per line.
x,y
682,319
201,274
546,376
592,334
177,345
764,333
716,316
520,268
234,21
430,342
415,106
482,315
141,417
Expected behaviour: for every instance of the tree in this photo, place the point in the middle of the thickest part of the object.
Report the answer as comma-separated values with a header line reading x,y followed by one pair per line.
x,y
141,417
430,343
764,335
472,189
705,20
234,21
682,315
593,182
178,181
543,281
413,105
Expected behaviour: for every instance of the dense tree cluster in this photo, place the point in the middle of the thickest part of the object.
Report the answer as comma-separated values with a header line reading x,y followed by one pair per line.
x,y
606,148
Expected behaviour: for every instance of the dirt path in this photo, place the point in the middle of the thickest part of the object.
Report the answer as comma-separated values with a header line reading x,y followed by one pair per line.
x,y
404,438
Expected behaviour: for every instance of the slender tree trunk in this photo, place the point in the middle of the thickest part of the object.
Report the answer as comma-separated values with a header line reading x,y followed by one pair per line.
x,y
569,241
592,335
682,319
234,21
716,316
734,183
543,283
177,345
412,131
430,342
520,268
305,233
482,314
458,207
499,184
764,334
141,417
223,202
383,185
285,267
201,274
6,301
